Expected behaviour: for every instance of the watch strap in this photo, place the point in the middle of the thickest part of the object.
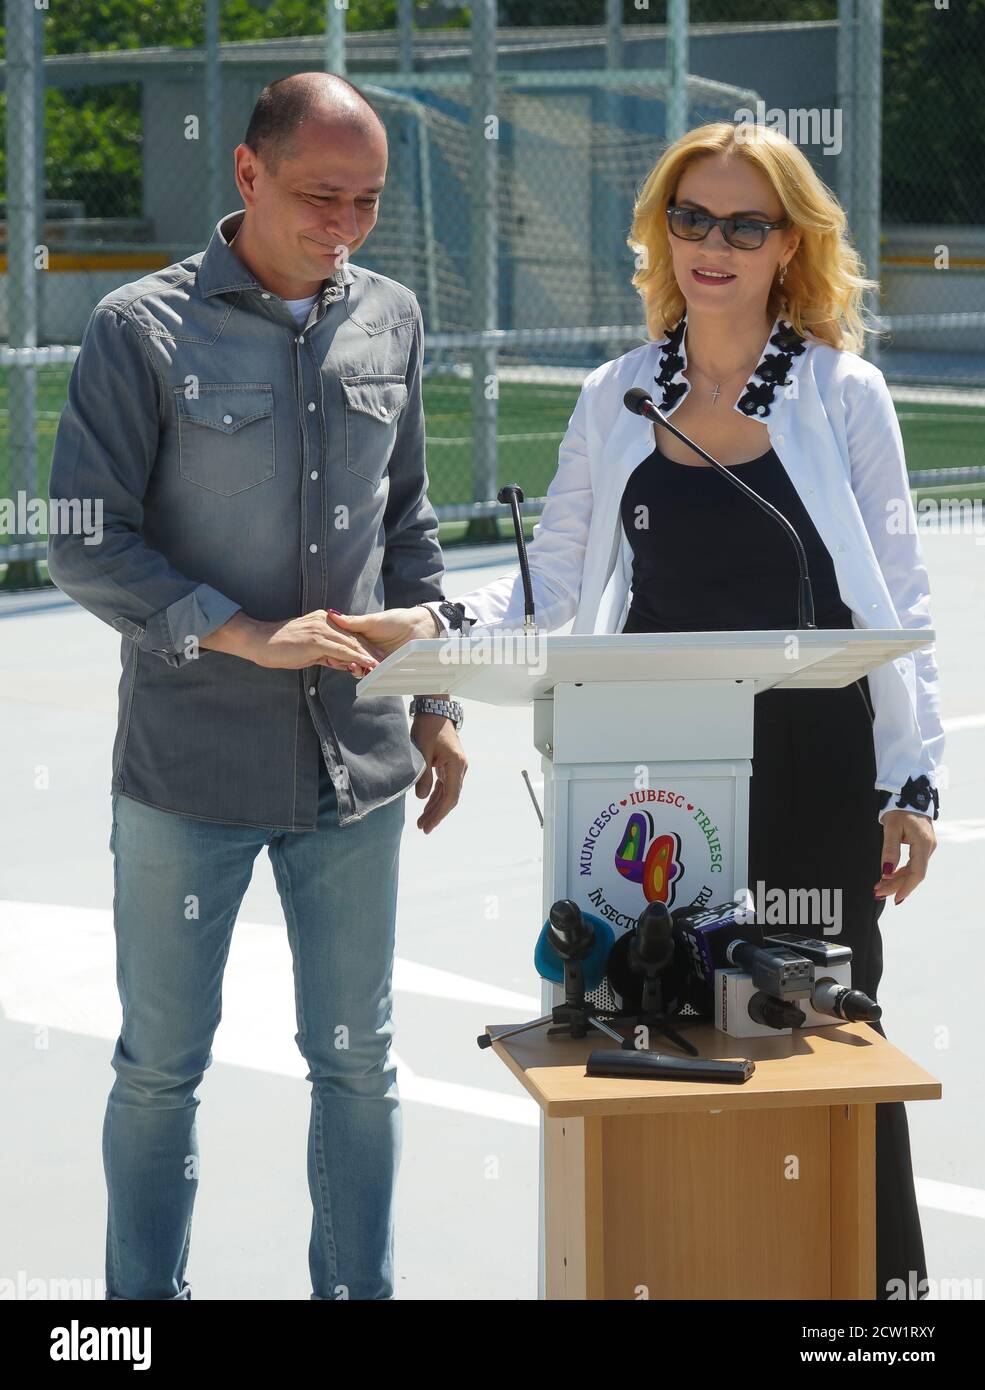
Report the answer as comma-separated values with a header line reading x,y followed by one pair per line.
x,y
916,794
426,704
458,621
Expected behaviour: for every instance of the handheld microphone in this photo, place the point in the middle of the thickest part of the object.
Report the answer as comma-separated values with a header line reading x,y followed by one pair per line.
x,y
707,932
513,494
570,935
639,957
828,997
777,970
775,1013
640,403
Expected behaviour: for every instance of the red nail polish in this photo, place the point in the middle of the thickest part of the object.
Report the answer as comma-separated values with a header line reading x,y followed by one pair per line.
x,y
887,868
335,610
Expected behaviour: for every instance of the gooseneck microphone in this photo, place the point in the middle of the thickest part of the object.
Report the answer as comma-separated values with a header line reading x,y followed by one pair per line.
x,y
513,494
640,403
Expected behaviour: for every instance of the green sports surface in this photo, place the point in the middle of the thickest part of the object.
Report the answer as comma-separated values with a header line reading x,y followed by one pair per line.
x,y
532,419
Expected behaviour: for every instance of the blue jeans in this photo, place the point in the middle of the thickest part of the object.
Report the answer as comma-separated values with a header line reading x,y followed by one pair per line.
x,y
179,883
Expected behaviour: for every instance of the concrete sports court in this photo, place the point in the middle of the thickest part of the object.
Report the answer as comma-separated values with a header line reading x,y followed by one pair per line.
x,y
468,918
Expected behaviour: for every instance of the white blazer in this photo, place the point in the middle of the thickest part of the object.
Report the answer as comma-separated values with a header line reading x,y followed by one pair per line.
x,y
831,420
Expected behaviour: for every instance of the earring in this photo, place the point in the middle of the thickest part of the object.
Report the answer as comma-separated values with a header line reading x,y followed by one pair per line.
x,y
782,275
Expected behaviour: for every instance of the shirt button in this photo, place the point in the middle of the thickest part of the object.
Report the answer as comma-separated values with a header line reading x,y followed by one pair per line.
x,y
311,405
227,419
810,492
311,690
301,339
384,412
873,605
312,548
841,548
265,295
779,439
314,472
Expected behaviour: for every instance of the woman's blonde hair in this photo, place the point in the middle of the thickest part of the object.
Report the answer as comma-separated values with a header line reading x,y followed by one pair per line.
x,y
821,295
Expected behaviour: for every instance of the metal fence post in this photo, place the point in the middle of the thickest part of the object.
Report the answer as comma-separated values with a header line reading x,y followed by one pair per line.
x,y
678,17
483,258
23,74
846,77
213,114
867,197
335,36
613,243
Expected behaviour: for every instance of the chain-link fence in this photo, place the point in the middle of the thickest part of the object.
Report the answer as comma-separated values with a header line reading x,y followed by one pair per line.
x,y
518,137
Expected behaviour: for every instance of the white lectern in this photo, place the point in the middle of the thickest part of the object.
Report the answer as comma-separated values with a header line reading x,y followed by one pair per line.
x,y
646,743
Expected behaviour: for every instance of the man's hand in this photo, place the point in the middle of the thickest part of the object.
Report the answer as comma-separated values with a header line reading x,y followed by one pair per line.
x,y
311,640
437,738
905,827
385,632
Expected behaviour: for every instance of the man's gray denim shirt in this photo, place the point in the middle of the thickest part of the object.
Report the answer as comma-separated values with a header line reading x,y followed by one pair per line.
x,y
243,462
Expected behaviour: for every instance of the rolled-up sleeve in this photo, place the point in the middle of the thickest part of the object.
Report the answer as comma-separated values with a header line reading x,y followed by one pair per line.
x,y
105,449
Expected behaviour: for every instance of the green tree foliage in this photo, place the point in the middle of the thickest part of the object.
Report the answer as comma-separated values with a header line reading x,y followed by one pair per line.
x,y
933,84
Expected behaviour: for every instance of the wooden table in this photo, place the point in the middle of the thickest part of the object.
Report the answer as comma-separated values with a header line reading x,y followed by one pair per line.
x,y
681,1189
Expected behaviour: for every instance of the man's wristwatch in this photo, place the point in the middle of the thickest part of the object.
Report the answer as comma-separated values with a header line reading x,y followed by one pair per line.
x,y
451,709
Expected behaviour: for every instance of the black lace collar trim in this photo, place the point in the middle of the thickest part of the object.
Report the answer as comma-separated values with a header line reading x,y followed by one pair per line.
x,y
776,368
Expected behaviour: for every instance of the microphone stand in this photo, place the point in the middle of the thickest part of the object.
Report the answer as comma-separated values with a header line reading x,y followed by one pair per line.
x,y
573,939
513,494
574,1017
640,403
653,1015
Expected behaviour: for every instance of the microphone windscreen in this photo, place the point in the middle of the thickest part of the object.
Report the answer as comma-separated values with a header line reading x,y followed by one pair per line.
x,y
627,985
635,398
550,964
655,933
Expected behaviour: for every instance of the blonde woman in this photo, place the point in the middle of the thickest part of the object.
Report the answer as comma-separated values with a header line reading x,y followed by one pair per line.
x,y
752,294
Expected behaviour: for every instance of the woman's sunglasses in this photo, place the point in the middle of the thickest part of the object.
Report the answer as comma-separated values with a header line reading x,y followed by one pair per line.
x,y
744,233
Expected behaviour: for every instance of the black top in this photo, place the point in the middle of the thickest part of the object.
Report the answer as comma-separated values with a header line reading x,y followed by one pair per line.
x,y
708,559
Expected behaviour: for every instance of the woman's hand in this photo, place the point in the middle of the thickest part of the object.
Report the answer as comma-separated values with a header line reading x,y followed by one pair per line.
x,y
311,640
909,828
385,632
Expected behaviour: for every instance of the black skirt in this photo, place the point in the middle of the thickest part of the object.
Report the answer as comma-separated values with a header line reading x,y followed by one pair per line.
x,y
708,559
813,824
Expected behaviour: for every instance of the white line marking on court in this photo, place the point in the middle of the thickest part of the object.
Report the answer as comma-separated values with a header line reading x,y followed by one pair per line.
x,y
59,977
410,977
962,832
950,1196
464,1100
960,722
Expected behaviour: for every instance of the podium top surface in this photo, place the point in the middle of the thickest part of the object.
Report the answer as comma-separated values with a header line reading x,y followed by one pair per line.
x,y
513,668
844,1064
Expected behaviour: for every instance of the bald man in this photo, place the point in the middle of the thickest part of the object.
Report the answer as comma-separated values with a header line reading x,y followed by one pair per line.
x,y
250,419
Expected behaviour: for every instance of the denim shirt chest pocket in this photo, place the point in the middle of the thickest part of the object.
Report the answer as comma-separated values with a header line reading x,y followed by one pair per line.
x,y
226,435
373,403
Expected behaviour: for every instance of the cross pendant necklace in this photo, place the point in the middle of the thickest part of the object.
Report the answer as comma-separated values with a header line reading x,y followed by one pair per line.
x,y
715,394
